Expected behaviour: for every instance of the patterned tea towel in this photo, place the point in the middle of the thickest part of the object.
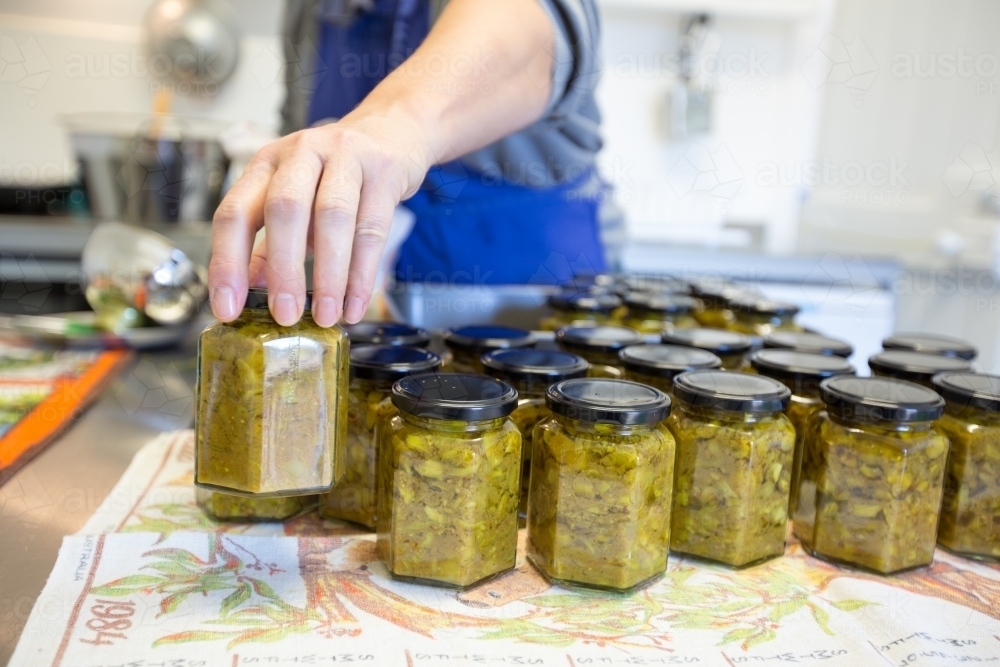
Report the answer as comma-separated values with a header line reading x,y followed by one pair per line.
x,y
152,582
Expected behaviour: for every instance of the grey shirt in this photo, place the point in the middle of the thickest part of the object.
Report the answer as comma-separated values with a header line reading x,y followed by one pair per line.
x,y
559,147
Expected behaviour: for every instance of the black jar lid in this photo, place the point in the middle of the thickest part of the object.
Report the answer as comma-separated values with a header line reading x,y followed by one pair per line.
x,y
653,283
387,333
454,396
931,344
599,284
616,401
257,299
652,302
812,343
608,338
801,371
666,361
531,366
716,289
584,301
731,392
976,390
878,399
721,342
483,338
914,366
757,306
388,363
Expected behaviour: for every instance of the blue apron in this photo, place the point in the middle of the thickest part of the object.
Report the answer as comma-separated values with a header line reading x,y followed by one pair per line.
x,y
469,228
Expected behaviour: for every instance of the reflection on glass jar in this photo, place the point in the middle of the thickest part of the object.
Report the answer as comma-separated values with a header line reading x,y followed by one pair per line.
x,y
733,468
599,507
226,507
658,365
729,346
872,474
531,372
970,510
802,374
600,346
573,308
449,480
652,313
755,316
931,344
915,366
374,368
468,344
810,343
272,404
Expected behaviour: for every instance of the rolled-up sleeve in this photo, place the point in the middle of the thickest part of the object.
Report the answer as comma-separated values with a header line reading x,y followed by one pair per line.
x,y
576,66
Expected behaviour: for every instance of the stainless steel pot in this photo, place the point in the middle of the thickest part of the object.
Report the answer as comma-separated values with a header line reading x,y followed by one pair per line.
x,y
149,170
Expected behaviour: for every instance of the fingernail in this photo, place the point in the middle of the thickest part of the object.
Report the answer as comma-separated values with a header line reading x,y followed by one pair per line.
x,y
325,311
355,310
284,310
224,303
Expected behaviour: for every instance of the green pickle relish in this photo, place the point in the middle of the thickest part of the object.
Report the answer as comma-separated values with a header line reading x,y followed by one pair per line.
x,y
600,489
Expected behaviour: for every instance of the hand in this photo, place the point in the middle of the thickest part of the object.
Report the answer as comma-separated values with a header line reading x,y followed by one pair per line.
x,y
331,190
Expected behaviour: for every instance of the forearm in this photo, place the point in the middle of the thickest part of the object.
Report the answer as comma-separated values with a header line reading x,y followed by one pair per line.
x,y
483,72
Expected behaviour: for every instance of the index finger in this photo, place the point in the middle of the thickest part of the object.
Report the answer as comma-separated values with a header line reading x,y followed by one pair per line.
x,y
234,226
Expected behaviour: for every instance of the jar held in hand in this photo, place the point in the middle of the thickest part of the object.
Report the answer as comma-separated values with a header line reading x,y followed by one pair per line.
x,y
272,404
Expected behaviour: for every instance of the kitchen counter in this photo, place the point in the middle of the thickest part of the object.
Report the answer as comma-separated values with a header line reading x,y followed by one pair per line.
x,y
57,491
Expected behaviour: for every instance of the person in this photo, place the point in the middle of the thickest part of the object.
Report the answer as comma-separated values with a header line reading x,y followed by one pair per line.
x,y
480,114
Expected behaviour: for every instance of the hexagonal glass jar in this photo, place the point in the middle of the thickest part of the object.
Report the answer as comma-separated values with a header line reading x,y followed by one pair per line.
x,y
733,467
970,510
449,480
374,369
272,404
599,499
872,475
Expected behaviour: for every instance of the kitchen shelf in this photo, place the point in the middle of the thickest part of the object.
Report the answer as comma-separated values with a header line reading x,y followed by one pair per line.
x,y
764,9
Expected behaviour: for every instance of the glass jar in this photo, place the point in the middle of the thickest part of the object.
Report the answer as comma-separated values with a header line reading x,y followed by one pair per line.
x,y
970,510
810,343
652,313
572,308
449,480
387,333
228,508
601,283
658,365
931,344
802,374
758,317
599,505
915,366
468,344
729,346
733,467
531,372
713,302
600,346
374,369
272,404
650,283
872,474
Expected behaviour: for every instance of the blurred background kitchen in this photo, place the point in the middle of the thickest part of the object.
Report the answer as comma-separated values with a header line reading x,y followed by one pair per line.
x,y
842,154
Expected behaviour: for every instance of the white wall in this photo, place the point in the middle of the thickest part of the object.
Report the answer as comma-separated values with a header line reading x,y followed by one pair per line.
x,y
766,114
43,44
